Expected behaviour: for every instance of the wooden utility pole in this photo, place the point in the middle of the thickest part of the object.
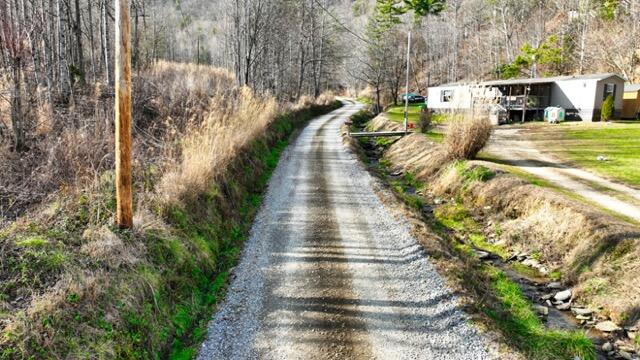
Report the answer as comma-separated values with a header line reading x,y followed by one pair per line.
x,y
124,192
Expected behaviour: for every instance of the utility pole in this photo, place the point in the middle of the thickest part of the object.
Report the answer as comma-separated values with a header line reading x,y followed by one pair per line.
x,y
406,93
124,192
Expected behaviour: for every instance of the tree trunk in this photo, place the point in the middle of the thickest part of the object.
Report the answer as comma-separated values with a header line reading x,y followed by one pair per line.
x,y
78,32
63,67
105,43
17,120
91,40
378,105
136,37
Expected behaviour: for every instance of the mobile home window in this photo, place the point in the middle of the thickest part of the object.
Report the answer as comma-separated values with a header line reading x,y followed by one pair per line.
x,y
609,89
446,95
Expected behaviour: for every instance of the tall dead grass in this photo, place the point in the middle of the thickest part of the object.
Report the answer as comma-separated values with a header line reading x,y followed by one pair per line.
x,y
229,125
69,147
325,99
466,136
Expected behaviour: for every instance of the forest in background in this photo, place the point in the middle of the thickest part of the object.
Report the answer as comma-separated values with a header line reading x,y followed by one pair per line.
x,y
56,57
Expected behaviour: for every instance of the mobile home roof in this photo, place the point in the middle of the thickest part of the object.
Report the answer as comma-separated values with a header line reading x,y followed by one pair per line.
x,y
547,80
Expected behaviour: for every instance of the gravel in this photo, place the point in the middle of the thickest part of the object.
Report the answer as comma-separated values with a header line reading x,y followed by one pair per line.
x,y
328,273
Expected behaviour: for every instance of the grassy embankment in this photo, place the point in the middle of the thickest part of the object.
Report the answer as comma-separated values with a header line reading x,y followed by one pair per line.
x,y
581,144
496,295
499,297
74,286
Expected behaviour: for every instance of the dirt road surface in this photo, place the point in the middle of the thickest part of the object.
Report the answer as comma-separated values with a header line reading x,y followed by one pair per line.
x,y
328,273
512,146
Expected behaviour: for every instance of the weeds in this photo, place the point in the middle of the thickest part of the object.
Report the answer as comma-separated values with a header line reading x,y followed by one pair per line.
x,y
359,119
74,287
227,128
515,317
473,173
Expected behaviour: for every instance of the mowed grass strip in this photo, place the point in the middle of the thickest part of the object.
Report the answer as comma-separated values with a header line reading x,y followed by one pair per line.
x,y
619,143
396,113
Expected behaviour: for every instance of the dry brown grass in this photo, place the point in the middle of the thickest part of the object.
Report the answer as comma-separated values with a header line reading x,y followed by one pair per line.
x,y
70,147
325,99
104,246
63,269
466,136
230,124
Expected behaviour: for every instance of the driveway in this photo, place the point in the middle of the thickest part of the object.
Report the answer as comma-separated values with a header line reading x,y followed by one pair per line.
x,y
512,146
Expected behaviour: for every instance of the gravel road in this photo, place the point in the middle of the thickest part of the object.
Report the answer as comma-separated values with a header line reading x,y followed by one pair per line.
x,y
328,273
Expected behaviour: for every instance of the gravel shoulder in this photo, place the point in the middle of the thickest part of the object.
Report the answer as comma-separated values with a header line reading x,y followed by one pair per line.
x,y
511,146
328,273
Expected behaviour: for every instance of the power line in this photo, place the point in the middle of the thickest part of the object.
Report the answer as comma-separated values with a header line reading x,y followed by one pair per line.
x,y
341,24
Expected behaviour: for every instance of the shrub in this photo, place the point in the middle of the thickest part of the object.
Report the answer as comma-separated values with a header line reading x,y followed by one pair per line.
x,y
466,137
608,108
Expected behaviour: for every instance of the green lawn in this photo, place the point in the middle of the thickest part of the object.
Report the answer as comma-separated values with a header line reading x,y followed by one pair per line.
x,y
396,113
619,143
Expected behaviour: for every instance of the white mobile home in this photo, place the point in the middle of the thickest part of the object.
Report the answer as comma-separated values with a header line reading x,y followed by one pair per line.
x,y
581,95
449,97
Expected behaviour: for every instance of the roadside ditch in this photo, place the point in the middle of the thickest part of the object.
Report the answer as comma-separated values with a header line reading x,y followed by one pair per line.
x,y
482,228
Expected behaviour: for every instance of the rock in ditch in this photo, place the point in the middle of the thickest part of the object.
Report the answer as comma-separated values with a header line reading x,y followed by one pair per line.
x,y
482,255
582,311
563,295
625,355
565,306
531,263
546,296
606,347
554,285
607,326
542,310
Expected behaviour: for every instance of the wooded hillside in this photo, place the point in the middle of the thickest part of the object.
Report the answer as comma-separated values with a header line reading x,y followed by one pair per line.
x,y
56,56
